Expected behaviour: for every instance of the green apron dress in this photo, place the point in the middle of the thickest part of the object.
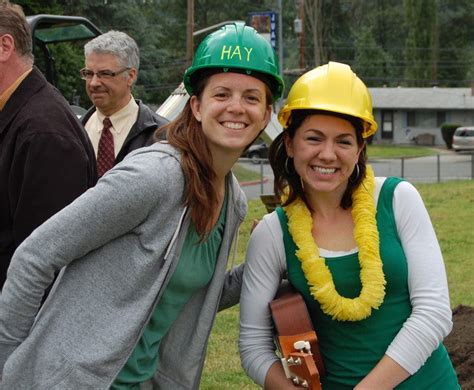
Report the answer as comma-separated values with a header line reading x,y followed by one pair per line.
x,y
350,350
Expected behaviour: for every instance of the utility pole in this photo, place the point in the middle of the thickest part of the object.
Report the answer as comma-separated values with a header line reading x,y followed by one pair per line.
x,y
280,36
189,33
301,14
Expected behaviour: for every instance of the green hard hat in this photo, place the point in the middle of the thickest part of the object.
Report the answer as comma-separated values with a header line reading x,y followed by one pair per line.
x,y
238,48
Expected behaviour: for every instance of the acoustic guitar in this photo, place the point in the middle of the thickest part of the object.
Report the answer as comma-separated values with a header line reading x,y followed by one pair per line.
x,y
296,339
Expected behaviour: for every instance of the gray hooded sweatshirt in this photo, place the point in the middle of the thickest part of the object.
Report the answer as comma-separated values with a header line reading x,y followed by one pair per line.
x,y
116,246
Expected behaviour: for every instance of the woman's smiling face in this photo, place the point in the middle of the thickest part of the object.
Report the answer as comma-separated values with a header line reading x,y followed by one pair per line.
x,y
232,109
325,152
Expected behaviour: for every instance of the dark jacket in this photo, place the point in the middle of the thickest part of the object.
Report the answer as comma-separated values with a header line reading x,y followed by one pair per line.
x,y
46,161
142,132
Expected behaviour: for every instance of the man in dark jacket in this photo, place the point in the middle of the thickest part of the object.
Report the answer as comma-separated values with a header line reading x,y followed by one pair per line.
x,y
46,158
117,124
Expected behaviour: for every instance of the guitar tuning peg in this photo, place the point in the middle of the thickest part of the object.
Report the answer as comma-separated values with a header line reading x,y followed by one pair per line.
x,y
302,344
304,384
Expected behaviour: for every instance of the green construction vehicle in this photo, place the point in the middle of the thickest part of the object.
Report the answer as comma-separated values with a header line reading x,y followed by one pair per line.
x,y
49,30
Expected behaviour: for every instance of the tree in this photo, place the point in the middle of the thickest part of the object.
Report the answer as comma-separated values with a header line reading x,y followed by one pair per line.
x,y
456,41
421,45
421,42
314,12
372,63
378,32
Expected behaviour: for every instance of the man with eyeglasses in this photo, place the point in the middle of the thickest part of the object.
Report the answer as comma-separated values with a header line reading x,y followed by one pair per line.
x,y
117,123
46,158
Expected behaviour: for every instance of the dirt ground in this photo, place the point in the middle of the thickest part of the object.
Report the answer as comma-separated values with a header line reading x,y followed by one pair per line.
x,y
460,344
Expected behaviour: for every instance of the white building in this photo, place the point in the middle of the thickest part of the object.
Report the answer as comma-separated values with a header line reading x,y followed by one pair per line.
x,y
405,113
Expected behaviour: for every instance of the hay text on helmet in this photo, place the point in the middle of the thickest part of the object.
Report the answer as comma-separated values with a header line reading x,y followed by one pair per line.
x,y
333,87
239,48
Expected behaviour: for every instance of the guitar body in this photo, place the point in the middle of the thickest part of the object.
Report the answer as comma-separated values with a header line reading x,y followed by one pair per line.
x,y
296,339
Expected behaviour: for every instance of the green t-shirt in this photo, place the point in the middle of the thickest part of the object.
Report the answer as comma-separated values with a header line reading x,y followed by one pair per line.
x,y
193,271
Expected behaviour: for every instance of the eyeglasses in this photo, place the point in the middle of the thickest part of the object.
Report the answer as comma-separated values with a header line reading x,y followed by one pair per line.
x,y
87,74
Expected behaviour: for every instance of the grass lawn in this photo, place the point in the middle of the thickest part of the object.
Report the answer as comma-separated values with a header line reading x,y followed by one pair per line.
x,y
243,174
451,207
397,151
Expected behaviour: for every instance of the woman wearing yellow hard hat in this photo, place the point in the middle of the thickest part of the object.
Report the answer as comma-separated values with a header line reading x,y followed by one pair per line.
x,y
360,249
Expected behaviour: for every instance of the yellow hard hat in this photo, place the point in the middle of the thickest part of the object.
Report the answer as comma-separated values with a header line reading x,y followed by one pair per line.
x,y
333,87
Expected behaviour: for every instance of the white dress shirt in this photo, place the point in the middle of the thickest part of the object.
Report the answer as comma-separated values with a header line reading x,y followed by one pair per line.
x,y
122,122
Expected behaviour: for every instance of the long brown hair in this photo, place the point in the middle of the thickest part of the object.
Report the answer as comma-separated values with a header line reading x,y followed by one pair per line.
x,y
284,169
185,133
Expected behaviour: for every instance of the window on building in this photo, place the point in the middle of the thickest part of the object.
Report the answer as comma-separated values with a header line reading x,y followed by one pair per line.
x,y
426,119
440,118
387,124
411,118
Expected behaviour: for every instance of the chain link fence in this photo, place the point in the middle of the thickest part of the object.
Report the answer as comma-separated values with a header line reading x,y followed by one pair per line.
x,y
431,169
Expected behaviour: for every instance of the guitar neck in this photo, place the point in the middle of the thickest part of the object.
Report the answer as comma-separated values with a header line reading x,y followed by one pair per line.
x,y
297,340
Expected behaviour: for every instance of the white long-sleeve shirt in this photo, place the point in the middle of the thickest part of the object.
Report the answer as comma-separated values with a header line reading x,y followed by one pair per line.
x,y
428,324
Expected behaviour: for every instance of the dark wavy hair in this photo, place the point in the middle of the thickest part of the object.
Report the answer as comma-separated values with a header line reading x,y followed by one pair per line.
x,y
185,133
284,169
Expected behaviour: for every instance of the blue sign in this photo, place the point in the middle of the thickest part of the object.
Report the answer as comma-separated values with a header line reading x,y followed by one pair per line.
x,y
266,24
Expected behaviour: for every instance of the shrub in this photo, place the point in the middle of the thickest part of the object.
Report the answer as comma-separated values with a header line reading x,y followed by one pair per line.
x,y
447,132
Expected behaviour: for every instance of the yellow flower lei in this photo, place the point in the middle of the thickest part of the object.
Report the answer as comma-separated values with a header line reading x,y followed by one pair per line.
x,y
319,276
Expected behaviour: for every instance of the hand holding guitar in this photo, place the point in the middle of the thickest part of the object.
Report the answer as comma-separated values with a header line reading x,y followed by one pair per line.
x,y
297,341
300,367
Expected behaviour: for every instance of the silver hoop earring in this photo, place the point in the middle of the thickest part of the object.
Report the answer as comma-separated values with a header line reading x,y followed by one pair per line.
x,y
287,167
279,148
357,170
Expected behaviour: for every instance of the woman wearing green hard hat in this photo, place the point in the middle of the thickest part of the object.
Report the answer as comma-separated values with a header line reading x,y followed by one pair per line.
x,y
360,250
144,253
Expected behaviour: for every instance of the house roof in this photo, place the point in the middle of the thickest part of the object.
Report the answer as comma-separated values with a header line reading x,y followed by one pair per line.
x,y
423,98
